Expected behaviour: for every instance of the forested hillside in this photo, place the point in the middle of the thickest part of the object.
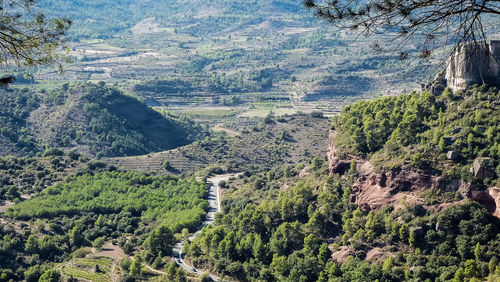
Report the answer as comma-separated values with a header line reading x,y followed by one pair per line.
x,y
248,140
92,118
421,129
323,225
99,19
289,234
131,208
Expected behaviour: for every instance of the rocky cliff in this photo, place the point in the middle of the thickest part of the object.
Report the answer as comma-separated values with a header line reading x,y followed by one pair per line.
x,y
473,64
376,190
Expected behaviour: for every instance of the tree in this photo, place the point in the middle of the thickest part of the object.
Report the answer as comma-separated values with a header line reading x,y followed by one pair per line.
x,y
459,275
76,237
205,277
259,249
478,252
324,253
51,275
493,264
28,37
411,239
135,267
471,269
388,264
160,240
31,246
33,273
404,232
99,242
458,21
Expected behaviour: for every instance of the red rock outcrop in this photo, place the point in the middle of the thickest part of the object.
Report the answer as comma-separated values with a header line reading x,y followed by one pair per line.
x,y
490,199
373,191
337,165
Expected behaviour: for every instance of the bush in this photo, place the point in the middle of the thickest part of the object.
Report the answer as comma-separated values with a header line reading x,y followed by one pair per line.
x,y
125,263
81,253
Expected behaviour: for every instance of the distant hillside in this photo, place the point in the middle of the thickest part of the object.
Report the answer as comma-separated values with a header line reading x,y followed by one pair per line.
x,y
14,110
97,18
283,141
256,51
92,118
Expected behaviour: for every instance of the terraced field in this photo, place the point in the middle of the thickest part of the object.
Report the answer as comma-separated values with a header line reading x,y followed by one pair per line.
x,y
286,140
90,269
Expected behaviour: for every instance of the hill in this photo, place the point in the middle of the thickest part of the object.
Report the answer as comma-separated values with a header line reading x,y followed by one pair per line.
x,y
277,141
92,118
392,204
431,149
249,53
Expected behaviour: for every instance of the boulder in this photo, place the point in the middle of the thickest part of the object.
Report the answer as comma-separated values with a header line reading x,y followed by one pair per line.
x,y
451,155
473,63
490,199
482,168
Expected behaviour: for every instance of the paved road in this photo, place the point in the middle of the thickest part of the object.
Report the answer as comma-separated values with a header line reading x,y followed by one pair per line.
x,y
214,207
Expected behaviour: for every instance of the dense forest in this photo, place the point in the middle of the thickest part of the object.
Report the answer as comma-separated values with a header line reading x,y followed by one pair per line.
x,y
111,170
16,107
135,210
288,235
280,225
285,218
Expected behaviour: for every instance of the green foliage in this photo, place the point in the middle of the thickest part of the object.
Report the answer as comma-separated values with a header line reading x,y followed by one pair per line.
x,y
131,130
16,107
284,234
160,241
99,242
421,128
50,276
366,127
102,118
135,268
125,263
176,202
29,37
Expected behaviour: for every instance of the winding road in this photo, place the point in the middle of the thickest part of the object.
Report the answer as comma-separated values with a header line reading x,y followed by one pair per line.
x,y
214,207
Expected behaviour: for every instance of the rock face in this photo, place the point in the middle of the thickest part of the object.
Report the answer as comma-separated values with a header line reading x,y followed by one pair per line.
x,y
482,168
473,64
451,155
374,191
490,199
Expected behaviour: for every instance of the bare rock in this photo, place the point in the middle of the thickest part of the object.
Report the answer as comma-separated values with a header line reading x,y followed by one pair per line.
x,y
341,255
473,64
482,168
465,190
305,172
338,166
490,199
378,254
452,155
